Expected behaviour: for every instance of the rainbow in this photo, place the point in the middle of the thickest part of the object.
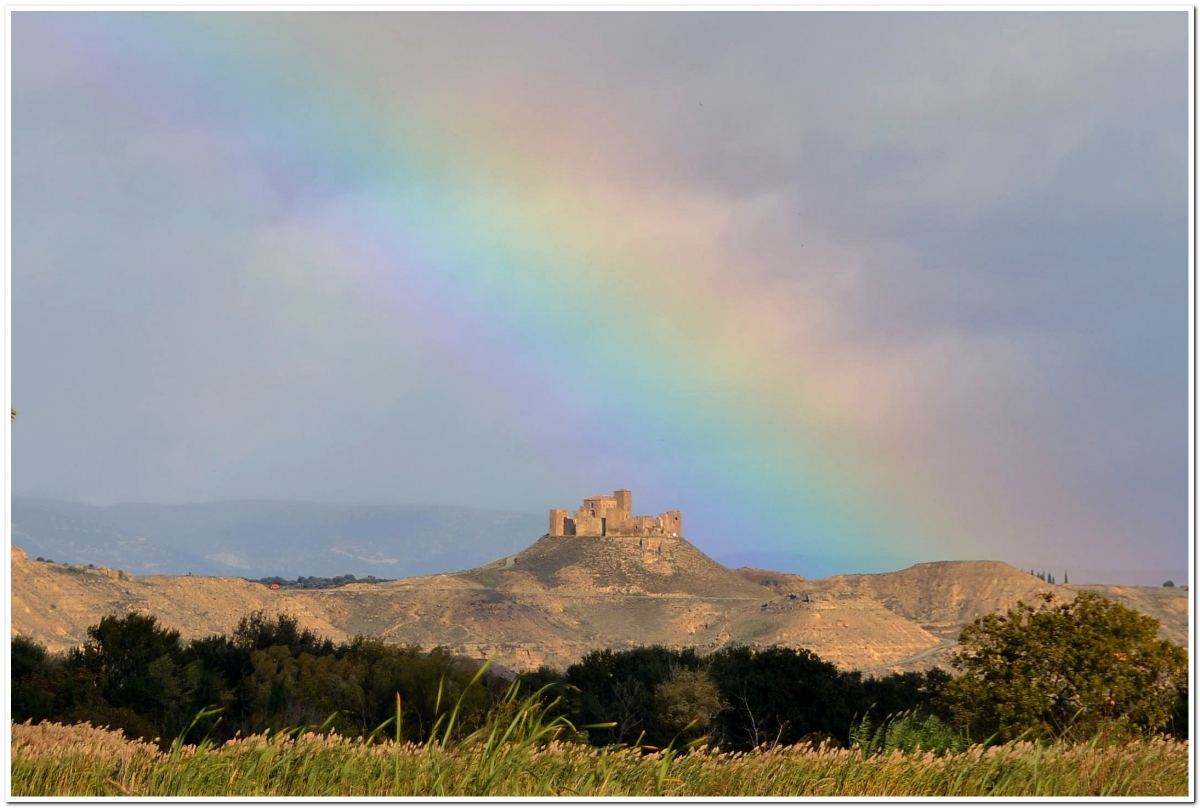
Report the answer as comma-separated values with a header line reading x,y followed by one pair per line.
x,y
511,259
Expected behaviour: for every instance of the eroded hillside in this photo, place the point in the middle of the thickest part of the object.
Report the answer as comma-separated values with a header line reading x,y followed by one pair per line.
x,y
564,596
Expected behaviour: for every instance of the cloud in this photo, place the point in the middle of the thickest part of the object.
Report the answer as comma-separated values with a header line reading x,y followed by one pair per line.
x,y
967,231
228,559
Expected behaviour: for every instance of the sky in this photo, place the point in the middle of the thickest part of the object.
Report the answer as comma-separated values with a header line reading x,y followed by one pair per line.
x,y
851,290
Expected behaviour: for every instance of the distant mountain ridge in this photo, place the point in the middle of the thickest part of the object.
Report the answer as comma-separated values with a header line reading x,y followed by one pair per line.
x,y
259,538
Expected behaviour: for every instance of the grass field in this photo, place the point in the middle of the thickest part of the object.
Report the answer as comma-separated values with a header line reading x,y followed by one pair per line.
x,y
56,760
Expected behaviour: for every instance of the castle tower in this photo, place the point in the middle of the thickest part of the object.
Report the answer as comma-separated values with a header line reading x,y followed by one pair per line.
x,y
672,523
598,506
624,498
558,518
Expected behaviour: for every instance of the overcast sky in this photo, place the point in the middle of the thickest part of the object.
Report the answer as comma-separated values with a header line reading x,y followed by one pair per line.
x,y
854,289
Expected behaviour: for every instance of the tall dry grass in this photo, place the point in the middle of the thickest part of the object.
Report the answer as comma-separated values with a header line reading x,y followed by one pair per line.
x,y
506,759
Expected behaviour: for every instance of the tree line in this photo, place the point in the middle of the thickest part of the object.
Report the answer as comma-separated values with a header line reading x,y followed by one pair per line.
x,y
1046,671
316,581
1048,577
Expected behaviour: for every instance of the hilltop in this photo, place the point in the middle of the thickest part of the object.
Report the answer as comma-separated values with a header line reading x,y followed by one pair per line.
x,y
627,565
565,595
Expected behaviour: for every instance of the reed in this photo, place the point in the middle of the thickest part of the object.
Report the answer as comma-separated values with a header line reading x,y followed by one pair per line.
x,y
522,755
525,750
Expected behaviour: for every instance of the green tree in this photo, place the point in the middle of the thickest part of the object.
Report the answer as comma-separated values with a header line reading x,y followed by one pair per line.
x,y
781,695
429,683
120,652
901,693
32,691
687,703
1064,669
618,687
256,632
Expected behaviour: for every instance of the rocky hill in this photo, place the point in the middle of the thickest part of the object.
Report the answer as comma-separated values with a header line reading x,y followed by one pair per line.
x,y
943,596
626,565
565,595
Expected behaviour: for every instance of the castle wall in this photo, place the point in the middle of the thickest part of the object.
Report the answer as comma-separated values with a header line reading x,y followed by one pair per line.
x,y
589,525
640,526
612,516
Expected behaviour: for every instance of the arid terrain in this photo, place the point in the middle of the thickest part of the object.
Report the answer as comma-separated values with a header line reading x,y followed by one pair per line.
x,y
566,595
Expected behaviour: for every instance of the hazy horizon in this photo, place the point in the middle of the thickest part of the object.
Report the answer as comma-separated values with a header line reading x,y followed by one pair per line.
x,y
805,564
857,288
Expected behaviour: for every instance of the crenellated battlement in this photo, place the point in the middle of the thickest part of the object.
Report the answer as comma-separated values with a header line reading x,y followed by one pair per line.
x,y
613,516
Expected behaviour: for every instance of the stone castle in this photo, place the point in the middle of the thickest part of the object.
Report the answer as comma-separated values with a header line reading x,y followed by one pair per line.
x,y
613,516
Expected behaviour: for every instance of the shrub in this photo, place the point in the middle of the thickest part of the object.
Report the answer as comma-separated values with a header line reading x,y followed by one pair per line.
x,y
1063,669
687,703
907,732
